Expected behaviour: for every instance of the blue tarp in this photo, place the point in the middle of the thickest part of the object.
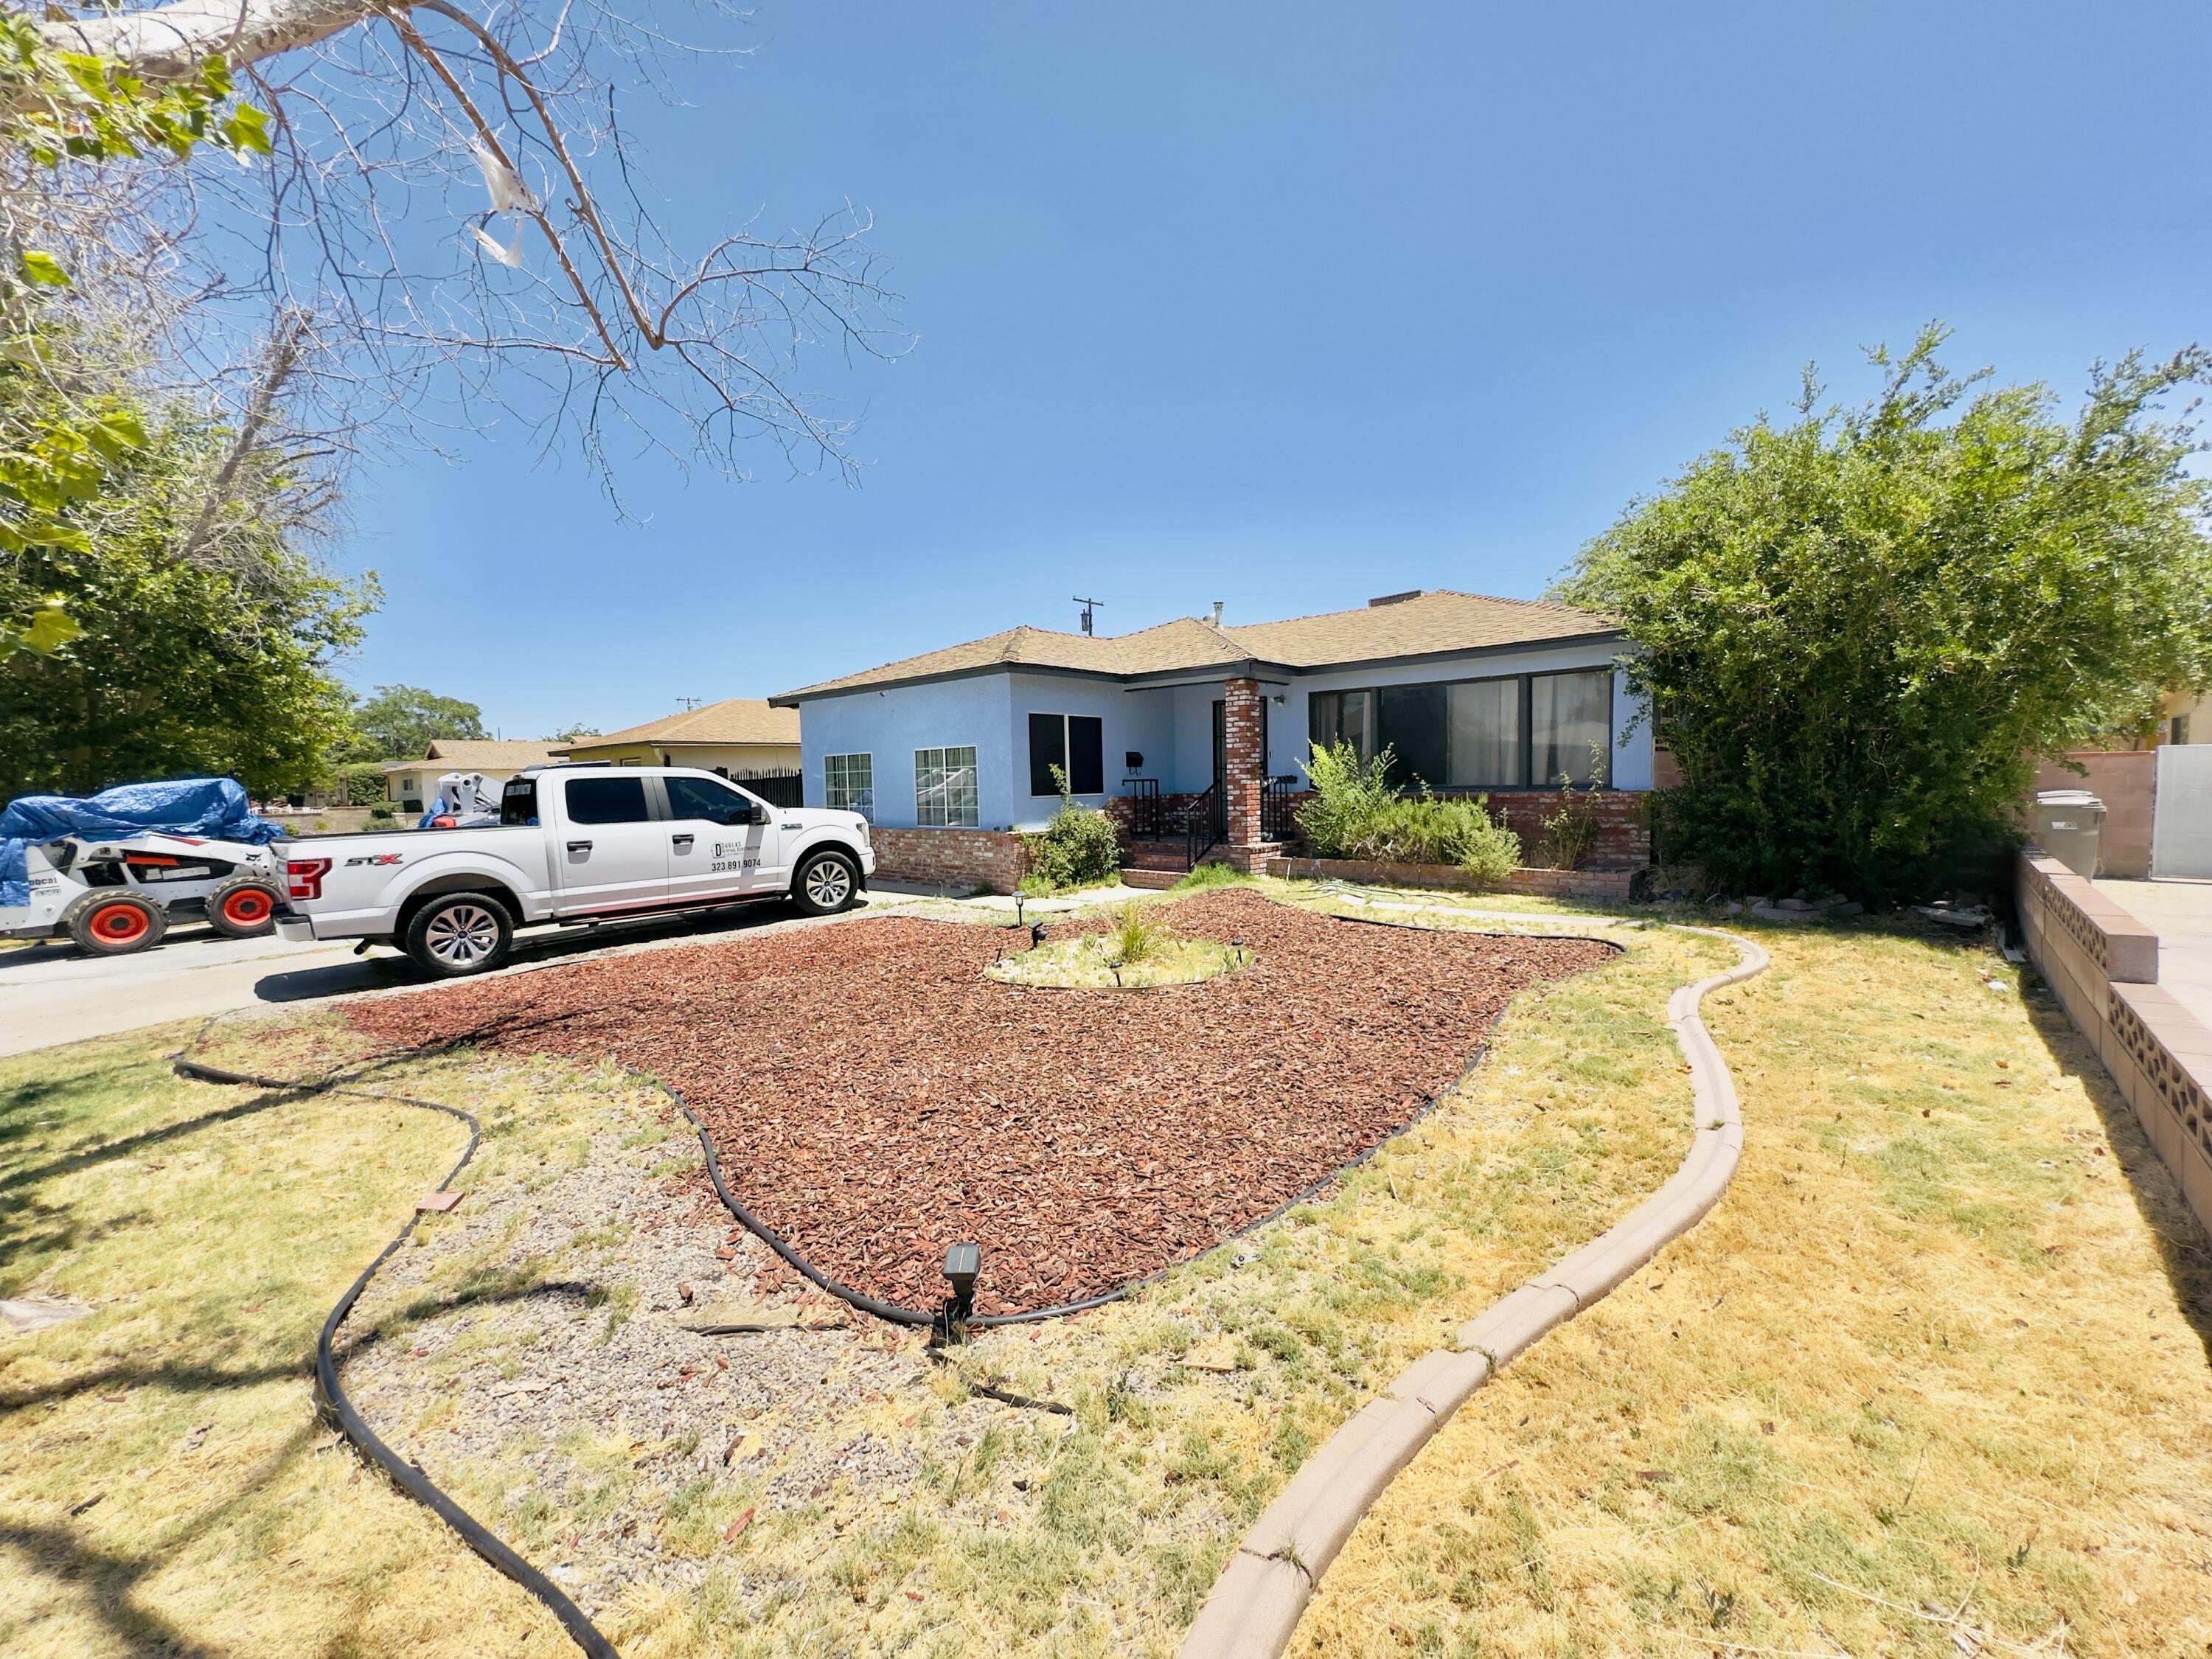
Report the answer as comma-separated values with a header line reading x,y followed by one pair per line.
x,y
214,807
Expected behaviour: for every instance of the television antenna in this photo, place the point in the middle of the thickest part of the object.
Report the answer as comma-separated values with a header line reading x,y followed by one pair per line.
x,y
1087,605
690,703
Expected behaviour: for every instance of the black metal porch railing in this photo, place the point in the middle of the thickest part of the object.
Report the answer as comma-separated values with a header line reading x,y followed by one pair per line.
x,y
1199,829
1278,811
1147,820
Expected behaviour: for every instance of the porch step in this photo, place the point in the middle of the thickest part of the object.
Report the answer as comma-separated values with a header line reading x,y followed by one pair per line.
x,y
1157,855
1137,875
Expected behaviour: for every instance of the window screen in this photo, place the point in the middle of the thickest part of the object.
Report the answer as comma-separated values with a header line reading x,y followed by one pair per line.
x,y
1414,729
1074,743
1571,727
849,784
606,800
945,788
1485,734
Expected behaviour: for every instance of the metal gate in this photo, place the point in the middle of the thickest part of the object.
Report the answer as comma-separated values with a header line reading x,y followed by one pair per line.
x,y
2181,819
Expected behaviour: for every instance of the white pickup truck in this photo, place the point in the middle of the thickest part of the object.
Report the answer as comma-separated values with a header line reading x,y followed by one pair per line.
x,y
573,843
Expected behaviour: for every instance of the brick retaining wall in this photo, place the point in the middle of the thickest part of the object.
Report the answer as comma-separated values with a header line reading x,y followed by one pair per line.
x,y
1612,885
2102,964
960,859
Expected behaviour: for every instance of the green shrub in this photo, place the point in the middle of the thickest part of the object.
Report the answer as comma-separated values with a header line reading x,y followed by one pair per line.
x,y
1205,878
1078,848
1354,813
357,783
1134,935
1570,827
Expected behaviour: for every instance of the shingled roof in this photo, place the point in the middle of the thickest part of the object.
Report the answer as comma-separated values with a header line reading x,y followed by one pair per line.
x,y
1407,625
732,720
477,754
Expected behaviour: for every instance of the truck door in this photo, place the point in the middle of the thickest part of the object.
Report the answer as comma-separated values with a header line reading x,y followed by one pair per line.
x,y
720,841
608,851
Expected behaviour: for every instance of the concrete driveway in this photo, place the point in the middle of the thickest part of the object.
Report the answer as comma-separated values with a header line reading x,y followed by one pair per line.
x,y
53,993
2181,914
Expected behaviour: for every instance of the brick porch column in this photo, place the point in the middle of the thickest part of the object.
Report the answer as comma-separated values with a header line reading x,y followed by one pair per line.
x,y
1244,767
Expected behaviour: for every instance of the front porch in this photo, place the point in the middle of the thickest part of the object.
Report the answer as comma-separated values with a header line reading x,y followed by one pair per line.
x,y
1243,815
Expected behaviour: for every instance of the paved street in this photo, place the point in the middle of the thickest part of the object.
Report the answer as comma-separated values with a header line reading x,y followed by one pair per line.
x,y
54,993
2181,911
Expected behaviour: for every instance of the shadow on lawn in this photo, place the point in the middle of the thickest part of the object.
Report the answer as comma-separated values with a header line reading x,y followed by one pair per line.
x,y
195,1379
2185,1252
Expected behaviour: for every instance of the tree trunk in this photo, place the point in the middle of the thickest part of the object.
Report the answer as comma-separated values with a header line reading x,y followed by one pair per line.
x,y
170,42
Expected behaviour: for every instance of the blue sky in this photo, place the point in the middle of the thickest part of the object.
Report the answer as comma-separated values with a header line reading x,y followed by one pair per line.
x,y
1287,305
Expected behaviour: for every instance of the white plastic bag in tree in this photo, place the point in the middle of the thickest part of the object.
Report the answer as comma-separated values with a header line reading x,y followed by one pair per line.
x,y
508,193
490,244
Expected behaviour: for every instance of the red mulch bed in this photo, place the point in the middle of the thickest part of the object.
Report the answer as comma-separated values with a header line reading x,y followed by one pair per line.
x,y
874,1099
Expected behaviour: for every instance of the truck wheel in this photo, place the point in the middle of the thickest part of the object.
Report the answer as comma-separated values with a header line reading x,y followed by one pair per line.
x,y
458,933
825,884
115,924
244,907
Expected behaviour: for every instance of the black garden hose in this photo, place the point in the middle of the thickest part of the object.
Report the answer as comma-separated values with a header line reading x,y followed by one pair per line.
x,y
331,1401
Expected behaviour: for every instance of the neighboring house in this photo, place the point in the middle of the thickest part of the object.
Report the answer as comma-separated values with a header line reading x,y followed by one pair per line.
x,y
413,783
1196,722
741,736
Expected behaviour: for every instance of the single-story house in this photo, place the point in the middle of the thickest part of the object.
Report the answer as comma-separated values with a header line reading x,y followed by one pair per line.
x,y
411,783
1197,721
743,737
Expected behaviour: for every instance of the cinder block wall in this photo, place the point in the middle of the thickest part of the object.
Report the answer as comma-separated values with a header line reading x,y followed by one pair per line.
x,y
2102,964
951,858
2126,780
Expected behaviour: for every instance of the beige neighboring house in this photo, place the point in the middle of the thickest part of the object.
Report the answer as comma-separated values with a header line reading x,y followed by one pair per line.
x,y
741,736
411,783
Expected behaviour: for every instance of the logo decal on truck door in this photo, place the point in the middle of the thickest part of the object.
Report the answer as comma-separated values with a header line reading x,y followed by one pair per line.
x,y
373,858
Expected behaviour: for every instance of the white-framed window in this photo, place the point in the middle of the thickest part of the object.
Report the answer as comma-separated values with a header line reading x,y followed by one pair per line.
x,y
849,784
945,788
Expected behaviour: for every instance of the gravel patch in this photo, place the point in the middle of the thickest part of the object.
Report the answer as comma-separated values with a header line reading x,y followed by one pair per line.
x,y
874,1096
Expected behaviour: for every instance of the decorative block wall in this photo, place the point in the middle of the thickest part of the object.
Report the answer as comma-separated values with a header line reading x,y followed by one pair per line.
x,y
2102,964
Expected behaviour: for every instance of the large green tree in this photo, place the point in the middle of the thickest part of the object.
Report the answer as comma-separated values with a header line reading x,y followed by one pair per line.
x,y
400,721
1860,628
206,631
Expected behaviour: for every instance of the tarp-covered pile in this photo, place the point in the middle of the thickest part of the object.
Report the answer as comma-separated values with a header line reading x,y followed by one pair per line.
x,y
214,807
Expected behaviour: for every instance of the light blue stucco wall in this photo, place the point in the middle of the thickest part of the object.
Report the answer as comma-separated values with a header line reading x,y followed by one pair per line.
x,y
890,725
1172,726
1127,721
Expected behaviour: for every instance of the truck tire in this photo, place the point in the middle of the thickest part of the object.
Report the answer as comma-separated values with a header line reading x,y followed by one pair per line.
x,y
244,907
459,933
825,883
115,924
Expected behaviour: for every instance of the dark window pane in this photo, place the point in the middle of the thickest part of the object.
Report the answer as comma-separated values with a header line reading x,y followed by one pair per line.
x,y
696,797
1048,749
1087,759
1485,734
1414,727
606,800
518,802
1334,717
1571,727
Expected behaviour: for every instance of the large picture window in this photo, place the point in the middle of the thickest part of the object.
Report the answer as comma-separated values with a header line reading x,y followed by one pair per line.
x,y
1514,732
849,784
1074,743
945,788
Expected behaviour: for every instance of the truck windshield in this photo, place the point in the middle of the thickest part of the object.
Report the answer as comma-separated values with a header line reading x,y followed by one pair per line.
x,y
518,802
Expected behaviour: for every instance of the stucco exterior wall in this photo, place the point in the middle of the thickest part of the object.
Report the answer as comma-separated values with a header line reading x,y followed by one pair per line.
x,y
975,711
1128,721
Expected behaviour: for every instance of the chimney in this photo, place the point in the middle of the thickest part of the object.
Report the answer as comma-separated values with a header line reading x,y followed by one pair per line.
x,y
1395,598
1216,613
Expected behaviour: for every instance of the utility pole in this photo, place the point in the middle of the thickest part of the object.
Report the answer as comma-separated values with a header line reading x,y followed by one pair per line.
x,y
690,703
1087,605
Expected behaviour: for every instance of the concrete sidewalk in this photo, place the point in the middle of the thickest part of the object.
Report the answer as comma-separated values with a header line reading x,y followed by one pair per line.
x,y
2180,912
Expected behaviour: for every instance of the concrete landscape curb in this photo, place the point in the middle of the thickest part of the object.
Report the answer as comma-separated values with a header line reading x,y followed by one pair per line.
x,y
1256,1605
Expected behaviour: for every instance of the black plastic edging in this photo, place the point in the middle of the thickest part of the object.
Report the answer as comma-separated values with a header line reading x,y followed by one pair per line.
x,y
331,1401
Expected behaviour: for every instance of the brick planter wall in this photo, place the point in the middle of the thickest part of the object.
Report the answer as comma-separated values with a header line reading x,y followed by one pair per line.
x,y
2102,963
1613,886
959,859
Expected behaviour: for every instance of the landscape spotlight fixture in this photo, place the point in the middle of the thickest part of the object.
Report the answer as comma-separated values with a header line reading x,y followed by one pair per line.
x,y
962,1262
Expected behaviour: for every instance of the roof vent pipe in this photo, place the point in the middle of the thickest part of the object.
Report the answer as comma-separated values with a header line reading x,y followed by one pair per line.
x,y
1216,613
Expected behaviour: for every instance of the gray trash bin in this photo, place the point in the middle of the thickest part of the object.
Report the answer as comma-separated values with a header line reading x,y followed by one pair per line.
x,y
2066,823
